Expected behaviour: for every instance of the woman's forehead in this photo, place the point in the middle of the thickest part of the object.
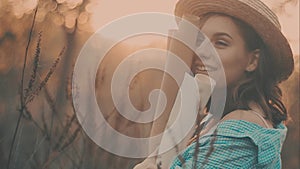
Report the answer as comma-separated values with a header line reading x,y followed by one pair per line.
x,y
219,24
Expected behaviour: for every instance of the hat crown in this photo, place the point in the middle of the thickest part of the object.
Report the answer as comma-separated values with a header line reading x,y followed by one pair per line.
x,y
264,10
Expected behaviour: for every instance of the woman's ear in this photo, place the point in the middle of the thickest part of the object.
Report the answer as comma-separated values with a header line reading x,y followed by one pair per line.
x,y
253,60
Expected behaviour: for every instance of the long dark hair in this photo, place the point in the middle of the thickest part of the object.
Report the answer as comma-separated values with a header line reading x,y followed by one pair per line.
x,y
261,85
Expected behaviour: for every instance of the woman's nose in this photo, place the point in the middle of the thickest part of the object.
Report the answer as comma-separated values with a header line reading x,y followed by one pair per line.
x,y
205,50
197,61
207,53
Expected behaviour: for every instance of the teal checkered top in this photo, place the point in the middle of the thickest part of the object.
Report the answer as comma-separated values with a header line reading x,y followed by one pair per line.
x,y
238,144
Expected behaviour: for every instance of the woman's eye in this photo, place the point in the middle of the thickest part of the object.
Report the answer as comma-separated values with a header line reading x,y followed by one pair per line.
x,y
221,43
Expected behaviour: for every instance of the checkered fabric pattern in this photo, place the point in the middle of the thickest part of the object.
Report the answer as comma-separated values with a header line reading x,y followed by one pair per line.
x,y
238,144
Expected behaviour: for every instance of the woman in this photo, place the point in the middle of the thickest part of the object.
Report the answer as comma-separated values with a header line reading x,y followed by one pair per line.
x,y
256,57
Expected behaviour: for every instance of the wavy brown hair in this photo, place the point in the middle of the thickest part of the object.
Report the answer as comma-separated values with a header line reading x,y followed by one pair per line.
x,y
261,85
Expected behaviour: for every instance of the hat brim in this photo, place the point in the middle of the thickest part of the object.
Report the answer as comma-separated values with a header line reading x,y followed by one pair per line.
x,y
269,30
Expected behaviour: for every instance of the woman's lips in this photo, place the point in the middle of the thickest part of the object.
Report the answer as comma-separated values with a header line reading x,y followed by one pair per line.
x,y
203,69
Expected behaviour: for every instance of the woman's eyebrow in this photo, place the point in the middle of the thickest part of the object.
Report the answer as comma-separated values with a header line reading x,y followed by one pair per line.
x,y
222,34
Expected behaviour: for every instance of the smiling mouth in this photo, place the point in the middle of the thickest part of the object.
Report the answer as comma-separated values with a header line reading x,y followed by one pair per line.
x,y
203,69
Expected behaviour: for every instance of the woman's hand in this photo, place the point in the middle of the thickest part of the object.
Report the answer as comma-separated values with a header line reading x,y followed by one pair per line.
x,y
148,163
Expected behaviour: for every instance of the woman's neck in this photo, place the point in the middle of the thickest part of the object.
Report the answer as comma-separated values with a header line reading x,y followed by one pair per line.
x,y
218,102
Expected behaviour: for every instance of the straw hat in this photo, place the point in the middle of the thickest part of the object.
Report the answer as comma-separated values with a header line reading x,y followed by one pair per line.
x,y
256,14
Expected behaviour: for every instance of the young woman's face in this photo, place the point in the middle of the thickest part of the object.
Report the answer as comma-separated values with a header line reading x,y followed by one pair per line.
x,y
225,36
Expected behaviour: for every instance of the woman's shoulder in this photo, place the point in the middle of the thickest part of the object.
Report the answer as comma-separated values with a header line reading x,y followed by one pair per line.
x,y
241,126
239,137
248,116
243,123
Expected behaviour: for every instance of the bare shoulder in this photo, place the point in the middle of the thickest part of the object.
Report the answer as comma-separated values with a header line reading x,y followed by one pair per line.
x,y
249,116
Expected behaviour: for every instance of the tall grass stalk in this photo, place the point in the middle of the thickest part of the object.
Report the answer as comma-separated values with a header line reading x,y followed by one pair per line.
x,y
21,110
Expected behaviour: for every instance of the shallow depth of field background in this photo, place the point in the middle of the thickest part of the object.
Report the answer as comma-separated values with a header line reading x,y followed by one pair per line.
x,y
48,134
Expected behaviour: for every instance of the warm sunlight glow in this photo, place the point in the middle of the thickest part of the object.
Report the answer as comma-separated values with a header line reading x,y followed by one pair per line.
x,y
105,11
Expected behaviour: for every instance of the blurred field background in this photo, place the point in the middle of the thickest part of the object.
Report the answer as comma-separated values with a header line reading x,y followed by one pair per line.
x,y
48,134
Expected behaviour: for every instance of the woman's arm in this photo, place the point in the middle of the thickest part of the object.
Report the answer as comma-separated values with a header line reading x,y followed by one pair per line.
x,y
170,86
